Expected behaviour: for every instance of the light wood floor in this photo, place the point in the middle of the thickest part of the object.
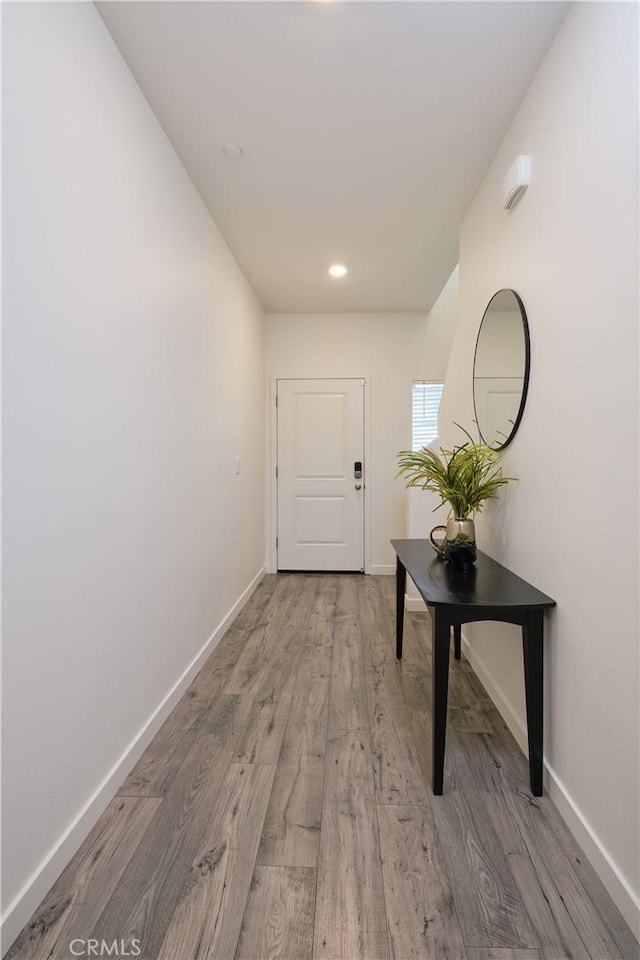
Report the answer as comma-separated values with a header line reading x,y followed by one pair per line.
x,y
284,810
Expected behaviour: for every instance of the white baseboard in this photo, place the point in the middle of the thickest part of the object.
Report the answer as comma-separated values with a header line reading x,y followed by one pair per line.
x,y
37,886
627,902
414,604
611,876
376,570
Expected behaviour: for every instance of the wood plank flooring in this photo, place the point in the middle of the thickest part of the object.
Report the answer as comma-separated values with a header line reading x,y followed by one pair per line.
x,y
284,810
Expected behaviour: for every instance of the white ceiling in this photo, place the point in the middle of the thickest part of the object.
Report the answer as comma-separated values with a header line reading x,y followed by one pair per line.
x,y
366,130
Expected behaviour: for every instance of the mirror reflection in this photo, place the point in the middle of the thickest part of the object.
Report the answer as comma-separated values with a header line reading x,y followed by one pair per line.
x,y
501,369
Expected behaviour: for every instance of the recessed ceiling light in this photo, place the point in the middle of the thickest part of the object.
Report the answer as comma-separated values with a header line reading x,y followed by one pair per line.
x,y
232,151
337,270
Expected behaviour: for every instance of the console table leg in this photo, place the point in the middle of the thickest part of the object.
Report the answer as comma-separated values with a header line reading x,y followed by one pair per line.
x,y
401,581
533,651
457,640
441,634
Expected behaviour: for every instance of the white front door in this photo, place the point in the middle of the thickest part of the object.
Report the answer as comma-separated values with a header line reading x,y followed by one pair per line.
x,y
320,495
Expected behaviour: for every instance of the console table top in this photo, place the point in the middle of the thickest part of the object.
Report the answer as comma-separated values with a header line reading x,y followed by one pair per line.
x,y
485,583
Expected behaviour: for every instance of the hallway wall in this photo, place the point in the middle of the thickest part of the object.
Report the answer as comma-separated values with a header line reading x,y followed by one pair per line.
x,y
570,248
133,379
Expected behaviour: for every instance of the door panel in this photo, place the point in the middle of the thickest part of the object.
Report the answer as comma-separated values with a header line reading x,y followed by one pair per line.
x,y
321,433
321,520
320,511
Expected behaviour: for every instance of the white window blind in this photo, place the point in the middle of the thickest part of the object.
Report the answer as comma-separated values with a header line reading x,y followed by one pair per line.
x,y
426,398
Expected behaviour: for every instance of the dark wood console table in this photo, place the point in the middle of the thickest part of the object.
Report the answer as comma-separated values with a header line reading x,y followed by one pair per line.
x,y
456,595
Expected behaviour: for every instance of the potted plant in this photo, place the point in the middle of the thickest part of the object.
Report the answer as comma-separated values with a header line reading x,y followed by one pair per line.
x,y
465,477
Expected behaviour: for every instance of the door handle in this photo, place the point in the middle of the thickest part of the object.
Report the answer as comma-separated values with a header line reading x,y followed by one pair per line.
x,y
358,486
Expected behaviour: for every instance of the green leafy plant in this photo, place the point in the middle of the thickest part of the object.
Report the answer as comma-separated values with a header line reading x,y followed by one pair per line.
x,y
464,477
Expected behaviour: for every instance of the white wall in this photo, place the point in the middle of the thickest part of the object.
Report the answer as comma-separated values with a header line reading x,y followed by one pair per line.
x,y
422,508
133,376
385,349
570,526
440,330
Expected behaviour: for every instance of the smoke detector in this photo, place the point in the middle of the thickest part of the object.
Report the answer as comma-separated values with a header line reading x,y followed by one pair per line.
x,y
516,181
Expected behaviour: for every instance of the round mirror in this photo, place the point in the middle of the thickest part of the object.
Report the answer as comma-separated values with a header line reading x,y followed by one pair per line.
x,y
501,369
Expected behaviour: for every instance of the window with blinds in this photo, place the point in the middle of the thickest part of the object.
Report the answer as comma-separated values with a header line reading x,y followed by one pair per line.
x,y
426,396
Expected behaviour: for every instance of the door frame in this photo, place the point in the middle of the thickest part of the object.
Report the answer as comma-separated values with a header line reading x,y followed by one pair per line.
x,y
272,459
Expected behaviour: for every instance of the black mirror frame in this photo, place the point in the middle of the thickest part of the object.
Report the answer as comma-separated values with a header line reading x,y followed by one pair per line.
x,y
527,366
